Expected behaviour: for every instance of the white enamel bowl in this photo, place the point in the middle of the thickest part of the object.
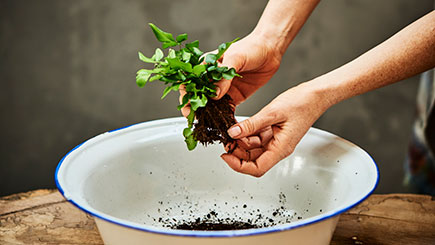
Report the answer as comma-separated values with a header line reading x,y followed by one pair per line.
x,y
138,179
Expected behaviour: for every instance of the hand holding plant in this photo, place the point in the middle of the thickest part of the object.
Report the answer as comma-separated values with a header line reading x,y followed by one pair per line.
x,y
255,59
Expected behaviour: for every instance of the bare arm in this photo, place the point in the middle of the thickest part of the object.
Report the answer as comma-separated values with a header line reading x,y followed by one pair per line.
x,y
258,55
282,19
273,133
407,53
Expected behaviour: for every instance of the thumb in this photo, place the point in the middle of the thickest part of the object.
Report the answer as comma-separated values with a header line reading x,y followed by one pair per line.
x,y
253,124
230,61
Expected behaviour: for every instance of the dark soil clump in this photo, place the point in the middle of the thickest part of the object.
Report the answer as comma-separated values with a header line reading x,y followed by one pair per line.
x,y
214,120
210,226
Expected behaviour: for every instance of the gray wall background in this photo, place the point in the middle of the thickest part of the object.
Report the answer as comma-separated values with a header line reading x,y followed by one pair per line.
x,y
67,73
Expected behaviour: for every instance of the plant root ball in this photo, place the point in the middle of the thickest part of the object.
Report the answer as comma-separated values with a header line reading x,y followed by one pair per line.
x,y
214,120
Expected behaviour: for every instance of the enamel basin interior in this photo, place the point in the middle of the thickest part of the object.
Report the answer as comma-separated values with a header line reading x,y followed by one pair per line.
x,y
144,177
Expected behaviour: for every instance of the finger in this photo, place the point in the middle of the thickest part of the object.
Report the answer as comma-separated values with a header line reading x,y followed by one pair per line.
x,y
241,153
230,147
266,135
259,163
230,61
250,142
182,90
259,166
255,153
251,168
232,161
265,118
221,84
206,53
242,166
222,88
186,109
265,162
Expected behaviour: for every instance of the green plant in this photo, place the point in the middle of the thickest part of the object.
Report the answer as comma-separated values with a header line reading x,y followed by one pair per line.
x,y
186,66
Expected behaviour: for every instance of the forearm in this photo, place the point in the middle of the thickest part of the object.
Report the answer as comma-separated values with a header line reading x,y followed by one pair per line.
x,y
407,53
282,20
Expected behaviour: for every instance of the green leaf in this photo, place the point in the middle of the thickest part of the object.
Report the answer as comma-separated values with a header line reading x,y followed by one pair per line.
x,y
155,77
159,70
216,75
145,59
184,102
166,92
227,77
211,58
197,102
182,37
181,76
158,55
197,52
211,90
194,103
194,48
230,74
169,78
191,87
161,35
223,47
177,64
141,81
191,142
171,54
144,71
186,56
173,87
168,45
198,70
211,68
164,69
142,77
166,38
204,100
194,44
222,69
190,118
187,132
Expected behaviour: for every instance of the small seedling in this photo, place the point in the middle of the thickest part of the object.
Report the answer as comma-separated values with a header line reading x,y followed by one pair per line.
x,y
185,65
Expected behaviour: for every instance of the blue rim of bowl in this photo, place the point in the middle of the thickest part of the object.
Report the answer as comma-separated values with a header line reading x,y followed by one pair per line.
x,y
231,233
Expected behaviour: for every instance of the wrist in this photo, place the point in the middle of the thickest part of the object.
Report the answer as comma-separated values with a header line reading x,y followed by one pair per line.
x,y
276,37
322,95
282,20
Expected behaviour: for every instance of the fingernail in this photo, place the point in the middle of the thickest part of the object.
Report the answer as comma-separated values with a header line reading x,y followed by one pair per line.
x,y
218,91
234,131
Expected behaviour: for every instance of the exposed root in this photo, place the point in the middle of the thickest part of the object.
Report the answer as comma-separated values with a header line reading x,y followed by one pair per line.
x,y
213,121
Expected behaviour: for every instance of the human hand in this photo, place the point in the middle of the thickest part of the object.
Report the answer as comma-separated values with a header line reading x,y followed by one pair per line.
x,y
273,133
255,59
